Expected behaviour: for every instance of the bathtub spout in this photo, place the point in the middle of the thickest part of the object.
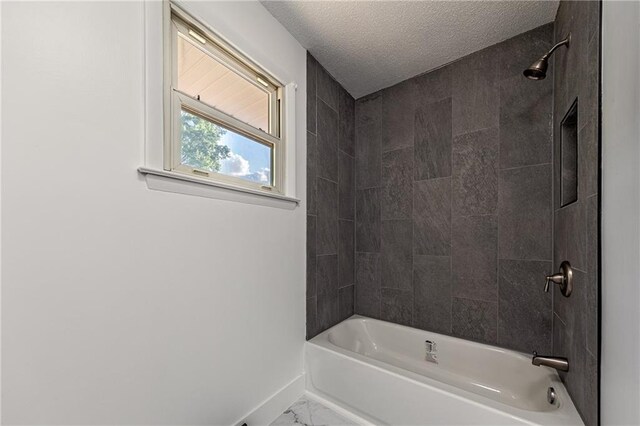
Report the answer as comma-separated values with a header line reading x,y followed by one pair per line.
x,y
556,362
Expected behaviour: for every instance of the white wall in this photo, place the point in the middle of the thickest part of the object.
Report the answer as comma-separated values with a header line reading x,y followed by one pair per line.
x,y
620,358
122,305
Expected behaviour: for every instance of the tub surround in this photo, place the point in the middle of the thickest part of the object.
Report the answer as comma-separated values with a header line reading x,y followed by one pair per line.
x,y
453,199
575,321
446,186
330,200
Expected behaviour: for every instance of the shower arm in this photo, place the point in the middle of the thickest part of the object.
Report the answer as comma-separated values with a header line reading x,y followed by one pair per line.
x,y
564,42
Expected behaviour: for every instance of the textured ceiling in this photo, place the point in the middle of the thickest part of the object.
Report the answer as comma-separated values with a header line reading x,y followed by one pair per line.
x,y
370,45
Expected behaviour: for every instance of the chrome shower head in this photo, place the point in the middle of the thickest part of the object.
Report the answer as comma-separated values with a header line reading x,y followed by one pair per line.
x,y
538,70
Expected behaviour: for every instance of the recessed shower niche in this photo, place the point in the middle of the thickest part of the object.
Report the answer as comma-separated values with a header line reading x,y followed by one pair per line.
x,y
569,156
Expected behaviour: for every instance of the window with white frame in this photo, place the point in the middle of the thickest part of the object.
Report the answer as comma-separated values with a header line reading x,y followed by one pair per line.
x,y
223,112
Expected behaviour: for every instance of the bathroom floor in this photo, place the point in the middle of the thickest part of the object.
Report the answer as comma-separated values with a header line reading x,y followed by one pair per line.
x,y
310,413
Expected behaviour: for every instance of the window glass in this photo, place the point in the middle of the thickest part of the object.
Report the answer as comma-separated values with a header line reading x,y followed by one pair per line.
x,y
210,147
201,75
225,111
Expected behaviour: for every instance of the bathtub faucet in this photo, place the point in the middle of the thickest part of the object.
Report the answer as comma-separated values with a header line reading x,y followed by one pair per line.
x,y
556,362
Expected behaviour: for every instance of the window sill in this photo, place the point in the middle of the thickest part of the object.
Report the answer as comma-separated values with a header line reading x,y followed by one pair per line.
x,y
162,180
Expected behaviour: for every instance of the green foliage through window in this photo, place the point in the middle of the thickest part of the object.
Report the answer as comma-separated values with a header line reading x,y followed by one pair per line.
x,y
201,148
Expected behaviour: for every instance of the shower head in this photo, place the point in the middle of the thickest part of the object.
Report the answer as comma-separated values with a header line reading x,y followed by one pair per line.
x,y
538,70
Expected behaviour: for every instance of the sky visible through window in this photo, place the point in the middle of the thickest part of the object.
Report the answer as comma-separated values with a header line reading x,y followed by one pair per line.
x,y
247,159
207,146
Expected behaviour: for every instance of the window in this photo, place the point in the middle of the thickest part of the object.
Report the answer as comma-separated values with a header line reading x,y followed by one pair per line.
x,y
223,112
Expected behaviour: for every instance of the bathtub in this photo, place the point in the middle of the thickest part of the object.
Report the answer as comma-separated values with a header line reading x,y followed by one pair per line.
x,y
379,372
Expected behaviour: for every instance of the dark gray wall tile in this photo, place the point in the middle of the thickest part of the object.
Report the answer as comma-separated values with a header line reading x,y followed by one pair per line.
x,y
474,86
475,320
368,156
432,216
346,186
397,178
561,344
312,66
576,75
557,155
368,220
432,293
346,253
568,344
327,88
345,302
398,106
475,173
311,256
517,53
347,133
568,65
312,318
327,226
328,314
592,260
433,140
572,310
524,309
571,234
590,412
327,281
588,162
327,140
525,121
396,306
561,77
474,257
367,300
560,337
433,86
559,235
312,167
588,106
369,110
397,254
330,194
593,20
327,274
524,209
327,124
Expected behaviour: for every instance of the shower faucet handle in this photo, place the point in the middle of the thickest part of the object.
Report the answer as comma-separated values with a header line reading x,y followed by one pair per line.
x,y
556,278
564,279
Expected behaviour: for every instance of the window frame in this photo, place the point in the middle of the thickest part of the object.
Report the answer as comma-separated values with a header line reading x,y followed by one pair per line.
x,y
177,20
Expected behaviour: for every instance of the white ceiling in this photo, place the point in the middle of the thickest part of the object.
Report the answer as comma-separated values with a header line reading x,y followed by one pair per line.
x,y
370,45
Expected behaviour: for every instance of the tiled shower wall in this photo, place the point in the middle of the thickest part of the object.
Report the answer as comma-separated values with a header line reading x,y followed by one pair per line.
x,y
445,185
454,198
575,322
330,200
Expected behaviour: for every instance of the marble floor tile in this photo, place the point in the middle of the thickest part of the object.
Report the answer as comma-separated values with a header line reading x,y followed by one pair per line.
x,y
310,413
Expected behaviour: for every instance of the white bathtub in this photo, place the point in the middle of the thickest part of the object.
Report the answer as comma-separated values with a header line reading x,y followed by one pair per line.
x,y
378,371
